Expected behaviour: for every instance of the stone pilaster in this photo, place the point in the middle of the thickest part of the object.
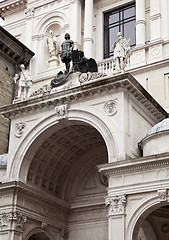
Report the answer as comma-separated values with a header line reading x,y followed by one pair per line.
x,y
155,20
116,216
29,25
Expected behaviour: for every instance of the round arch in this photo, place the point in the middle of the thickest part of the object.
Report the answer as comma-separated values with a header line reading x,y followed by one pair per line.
x,y
51,18
139,214
21,159
38,231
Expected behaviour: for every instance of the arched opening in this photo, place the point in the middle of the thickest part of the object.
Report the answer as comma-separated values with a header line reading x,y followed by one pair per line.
x,y
64,166
38,236
155,226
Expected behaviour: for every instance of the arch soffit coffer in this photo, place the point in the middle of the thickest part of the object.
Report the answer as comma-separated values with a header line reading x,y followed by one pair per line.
x,y
52,18
19,166
143,208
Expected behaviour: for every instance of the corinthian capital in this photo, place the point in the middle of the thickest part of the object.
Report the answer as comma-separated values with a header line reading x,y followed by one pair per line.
x,y
116,204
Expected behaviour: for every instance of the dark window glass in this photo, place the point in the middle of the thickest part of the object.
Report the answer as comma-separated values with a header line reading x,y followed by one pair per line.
x,y
119,20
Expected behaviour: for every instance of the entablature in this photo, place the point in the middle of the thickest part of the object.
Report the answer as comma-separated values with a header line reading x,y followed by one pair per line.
x,y
118,83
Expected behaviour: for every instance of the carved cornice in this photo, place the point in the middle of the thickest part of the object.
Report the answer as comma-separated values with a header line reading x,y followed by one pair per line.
x,y
11,5
119,83
12,49
135,165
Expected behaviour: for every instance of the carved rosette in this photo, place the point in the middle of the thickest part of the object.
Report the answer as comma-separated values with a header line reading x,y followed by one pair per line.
x,y
116,204
110,107
16,218
61,111
20,129
162,193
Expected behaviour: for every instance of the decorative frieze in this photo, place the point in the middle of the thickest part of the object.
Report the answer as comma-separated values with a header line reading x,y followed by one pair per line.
x,y
44,90
162,193
84,77
116,204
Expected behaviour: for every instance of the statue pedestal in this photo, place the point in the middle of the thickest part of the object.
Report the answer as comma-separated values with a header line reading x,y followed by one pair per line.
x,y
53,62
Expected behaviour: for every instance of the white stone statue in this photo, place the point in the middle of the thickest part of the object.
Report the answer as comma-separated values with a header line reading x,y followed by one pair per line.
x,y
53,48
24,81
121,49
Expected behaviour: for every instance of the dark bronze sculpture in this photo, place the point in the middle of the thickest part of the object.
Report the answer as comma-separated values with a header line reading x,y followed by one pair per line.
x,y
83,64
66,52
80,62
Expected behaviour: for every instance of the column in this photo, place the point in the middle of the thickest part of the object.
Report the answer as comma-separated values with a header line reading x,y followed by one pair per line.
x,y
140,23
88,29
155,20
75,24
116,217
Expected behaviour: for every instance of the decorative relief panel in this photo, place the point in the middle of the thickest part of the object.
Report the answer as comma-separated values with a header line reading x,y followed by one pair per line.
x,y
138,56
61,111
162,193
110,107
116,204
20,129
155,51
84,77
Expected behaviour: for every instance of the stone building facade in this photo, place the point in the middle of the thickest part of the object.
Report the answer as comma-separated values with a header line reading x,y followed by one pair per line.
x,y
88,158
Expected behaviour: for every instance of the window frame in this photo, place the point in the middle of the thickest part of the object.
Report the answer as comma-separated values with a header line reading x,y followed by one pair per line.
x,y
120,23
